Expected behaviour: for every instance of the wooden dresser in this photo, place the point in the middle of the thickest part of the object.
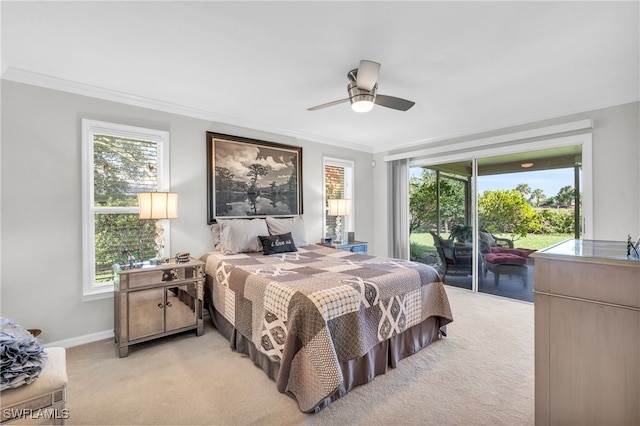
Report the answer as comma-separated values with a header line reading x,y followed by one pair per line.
x,y
587,334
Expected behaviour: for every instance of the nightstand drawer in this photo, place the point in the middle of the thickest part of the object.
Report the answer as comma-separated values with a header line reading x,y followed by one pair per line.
x,y
141,279
165,273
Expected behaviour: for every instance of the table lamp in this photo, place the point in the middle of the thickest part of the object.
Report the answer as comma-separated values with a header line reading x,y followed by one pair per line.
x,y
158,206
339,207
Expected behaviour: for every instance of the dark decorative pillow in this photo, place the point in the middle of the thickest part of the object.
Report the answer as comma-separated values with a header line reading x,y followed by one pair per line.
x,y
282,243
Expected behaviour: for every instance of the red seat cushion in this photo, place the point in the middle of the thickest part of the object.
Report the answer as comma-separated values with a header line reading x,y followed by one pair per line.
x,y
522,252
497,258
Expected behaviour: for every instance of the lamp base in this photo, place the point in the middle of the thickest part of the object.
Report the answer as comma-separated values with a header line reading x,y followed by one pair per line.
x,y
159,240
338,239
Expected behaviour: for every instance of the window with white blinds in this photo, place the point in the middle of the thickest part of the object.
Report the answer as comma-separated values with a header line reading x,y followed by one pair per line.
x,y
119,161
338,183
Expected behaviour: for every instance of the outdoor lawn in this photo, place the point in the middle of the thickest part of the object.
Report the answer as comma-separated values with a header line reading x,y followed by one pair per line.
x,y
531,241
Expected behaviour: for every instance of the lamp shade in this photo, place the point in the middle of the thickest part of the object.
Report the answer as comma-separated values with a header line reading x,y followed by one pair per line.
x,y
339,207
158,205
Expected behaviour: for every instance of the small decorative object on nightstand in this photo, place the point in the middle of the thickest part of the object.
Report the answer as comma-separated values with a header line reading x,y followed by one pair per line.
x,y
153,301
182,257
360,247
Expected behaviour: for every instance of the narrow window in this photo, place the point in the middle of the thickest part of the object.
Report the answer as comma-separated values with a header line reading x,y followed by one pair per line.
x,y
338,184
118,162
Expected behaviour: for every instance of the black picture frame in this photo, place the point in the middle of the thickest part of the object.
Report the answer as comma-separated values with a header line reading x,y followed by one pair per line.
x,y
249,178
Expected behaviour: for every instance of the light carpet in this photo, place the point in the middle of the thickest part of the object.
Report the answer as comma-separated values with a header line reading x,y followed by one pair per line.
x,y
482,373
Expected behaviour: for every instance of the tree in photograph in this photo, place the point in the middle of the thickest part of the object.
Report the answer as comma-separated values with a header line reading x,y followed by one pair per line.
x,y
506,212
256,171
292,183
224,179
292,190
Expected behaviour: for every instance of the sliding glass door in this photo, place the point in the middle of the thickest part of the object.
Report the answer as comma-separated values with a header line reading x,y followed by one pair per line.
x,y
441,220
477,221
525,202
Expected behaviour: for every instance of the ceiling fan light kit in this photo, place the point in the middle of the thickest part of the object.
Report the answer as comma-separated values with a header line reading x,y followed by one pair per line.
x,y
361,100
363,91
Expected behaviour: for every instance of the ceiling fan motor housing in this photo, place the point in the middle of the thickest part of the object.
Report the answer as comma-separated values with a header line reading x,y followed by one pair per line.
x,y
359,95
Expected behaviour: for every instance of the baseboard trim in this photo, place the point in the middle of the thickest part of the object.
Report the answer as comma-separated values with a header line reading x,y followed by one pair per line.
x,y
81,340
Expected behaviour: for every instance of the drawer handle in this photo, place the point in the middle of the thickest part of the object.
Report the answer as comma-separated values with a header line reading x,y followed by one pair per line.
x,y
169,275
169,304
160,305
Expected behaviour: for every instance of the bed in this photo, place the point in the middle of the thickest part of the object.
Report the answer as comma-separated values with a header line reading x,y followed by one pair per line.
x,y
321,321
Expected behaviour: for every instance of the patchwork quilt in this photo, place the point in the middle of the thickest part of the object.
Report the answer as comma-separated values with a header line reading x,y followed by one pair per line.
x,y
312,309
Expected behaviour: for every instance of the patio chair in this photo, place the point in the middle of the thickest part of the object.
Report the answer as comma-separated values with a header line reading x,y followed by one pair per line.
x,y
455,258
488,241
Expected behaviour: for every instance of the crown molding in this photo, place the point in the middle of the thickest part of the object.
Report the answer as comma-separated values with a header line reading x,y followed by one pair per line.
x,y
476,144
426,143
55,83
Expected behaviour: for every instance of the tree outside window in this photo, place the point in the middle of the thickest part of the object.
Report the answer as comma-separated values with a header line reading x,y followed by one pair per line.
x,y
120,161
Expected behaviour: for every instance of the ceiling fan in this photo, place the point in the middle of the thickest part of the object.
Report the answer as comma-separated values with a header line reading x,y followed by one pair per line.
x,y
363,91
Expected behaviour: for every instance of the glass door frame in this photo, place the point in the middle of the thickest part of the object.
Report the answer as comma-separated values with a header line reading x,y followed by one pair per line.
x,y
492,150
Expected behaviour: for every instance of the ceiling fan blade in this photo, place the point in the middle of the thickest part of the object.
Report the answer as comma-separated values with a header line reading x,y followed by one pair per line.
x,y
367,74
328,104
393,102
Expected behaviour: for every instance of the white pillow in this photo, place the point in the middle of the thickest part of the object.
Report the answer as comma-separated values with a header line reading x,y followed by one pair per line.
x,y
241,235
295,225
215,233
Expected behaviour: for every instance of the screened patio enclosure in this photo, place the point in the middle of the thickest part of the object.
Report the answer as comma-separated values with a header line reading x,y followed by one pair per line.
x,y
476,228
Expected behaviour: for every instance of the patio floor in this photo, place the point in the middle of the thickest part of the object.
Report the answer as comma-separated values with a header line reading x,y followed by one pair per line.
x,y
509,286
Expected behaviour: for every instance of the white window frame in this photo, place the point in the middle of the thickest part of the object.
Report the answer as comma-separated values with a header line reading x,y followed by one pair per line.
x,y
349,191
90,289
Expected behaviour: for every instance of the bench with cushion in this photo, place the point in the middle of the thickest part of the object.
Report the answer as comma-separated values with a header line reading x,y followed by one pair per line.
x,y
44,398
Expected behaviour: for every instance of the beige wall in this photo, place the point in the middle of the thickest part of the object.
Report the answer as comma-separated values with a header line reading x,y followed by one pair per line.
x,y
41,277
616,172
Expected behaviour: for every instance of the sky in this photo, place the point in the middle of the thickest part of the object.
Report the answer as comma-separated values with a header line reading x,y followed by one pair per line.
x,y
549,181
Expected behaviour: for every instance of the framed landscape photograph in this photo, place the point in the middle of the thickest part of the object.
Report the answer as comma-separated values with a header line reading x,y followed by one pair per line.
x,y
252,178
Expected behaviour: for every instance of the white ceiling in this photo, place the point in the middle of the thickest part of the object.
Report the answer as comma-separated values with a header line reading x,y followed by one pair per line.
x,y
469,66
